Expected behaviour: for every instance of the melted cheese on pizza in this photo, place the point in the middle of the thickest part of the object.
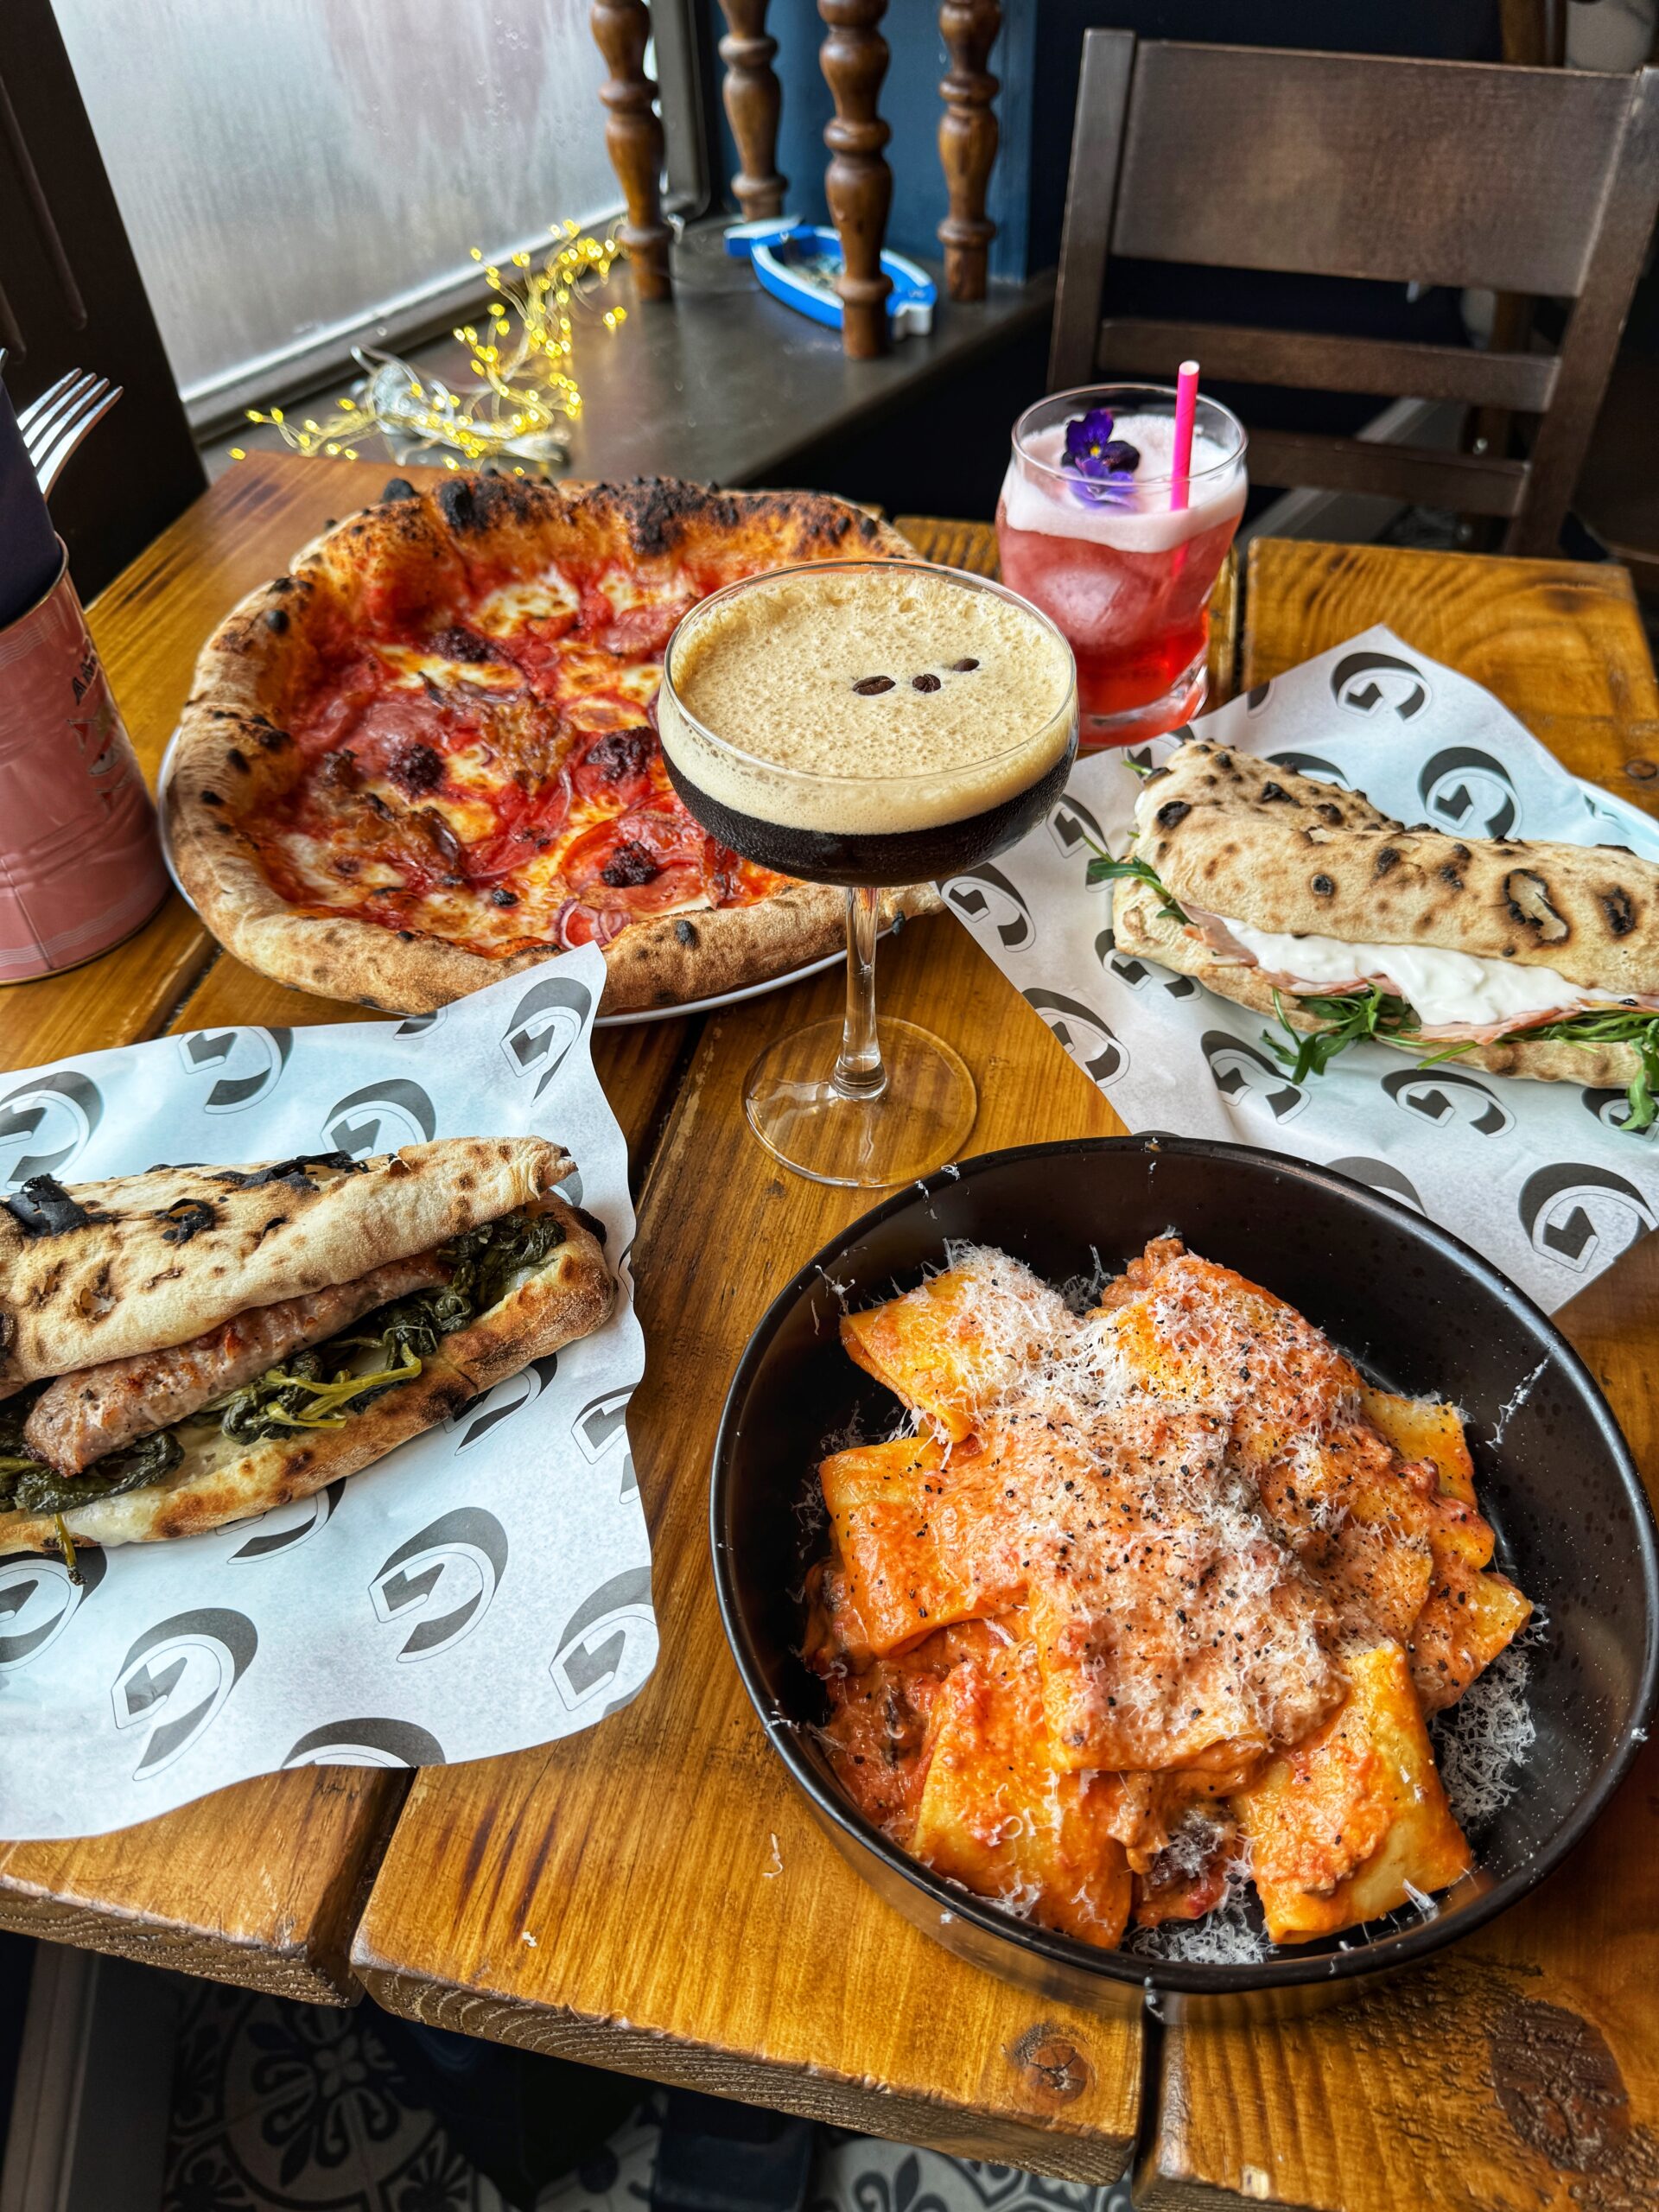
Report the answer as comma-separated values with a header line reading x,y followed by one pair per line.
x,y
496,781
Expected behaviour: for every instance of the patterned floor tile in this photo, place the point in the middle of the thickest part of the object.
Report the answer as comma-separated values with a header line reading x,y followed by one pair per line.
x,y
281,2107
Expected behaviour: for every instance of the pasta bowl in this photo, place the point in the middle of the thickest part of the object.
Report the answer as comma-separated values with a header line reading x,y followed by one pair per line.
x,y
1421,1314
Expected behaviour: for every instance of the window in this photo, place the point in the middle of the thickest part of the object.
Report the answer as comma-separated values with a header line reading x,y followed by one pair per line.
x,y
299,175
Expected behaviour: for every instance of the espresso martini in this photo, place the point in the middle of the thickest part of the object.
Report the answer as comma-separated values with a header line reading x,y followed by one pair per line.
x,y
868,722
865,723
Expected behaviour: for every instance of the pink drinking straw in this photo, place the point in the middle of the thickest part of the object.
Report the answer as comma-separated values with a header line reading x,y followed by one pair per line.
x,y
1186,405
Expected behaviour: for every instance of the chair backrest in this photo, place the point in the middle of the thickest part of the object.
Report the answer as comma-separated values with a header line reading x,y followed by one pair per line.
x,y
71,297
1530,180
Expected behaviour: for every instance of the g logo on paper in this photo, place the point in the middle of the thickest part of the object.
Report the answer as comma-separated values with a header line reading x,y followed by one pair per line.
x,y
1612,1110
1086,1035
596,1427
1582,1216
38,1601
591,1651
367,1743
1242,1073
447,1575
416,1025
1074,830
44,1123
1310,764
380,1117
1442,1095
544,1025
1469,793
991,905
1382,1176
1135,973
176,1679
1365,683
503,1400
285,1525
246,1065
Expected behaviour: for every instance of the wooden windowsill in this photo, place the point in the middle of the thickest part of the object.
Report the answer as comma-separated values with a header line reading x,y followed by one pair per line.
x,y
725,384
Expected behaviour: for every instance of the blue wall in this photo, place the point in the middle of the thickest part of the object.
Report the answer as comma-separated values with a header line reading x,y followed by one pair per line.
x,y
1036,57
910,102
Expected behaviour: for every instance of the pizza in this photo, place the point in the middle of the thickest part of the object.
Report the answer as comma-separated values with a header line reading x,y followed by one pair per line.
x,y
427,757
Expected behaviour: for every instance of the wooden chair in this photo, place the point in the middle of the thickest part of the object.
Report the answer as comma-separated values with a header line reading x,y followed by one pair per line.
x,y
71,297
1530,180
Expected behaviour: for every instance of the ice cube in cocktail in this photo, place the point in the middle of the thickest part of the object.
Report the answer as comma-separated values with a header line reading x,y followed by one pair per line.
x,y
1116,559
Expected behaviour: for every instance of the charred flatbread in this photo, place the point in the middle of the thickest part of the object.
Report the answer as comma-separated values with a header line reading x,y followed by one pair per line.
x,y
178,1437
1230,851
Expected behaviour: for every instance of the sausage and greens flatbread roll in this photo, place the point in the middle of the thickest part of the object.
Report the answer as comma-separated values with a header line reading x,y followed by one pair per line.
x,y
189,1346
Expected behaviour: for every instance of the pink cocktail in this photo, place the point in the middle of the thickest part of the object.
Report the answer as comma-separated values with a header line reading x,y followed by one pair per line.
x,y
1124,560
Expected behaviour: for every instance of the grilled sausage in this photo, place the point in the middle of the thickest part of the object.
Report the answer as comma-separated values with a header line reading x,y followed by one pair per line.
x,y
79,1417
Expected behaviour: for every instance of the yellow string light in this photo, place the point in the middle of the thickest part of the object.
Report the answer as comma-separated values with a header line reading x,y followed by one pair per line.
x,y
520,352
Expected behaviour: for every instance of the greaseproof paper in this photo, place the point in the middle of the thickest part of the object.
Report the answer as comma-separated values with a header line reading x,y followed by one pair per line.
x,y
1541,1178
486,1588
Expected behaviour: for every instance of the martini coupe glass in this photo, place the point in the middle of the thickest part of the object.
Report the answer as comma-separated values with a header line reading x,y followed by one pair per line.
x,y
867,724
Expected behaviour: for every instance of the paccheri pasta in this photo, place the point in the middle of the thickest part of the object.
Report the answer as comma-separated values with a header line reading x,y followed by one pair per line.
x,y
1153,1591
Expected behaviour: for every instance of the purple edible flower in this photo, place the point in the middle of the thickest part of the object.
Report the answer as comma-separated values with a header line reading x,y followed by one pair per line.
x,y
1106,461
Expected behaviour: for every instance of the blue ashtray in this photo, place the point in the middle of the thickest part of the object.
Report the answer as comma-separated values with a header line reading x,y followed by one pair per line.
x,y
799,263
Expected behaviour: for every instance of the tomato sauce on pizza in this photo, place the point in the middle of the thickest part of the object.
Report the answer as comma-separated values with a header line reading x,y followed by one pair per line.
x,y
495,779
426,757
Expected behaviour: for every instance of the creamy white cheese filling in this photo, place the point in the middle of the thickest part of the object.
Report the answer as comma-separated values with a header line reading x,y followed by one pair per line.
x,y
1446,987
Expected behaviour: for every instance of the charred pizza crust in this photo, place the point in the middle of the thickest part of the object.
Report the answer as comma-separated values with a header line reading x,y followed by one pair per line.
x,y
422,551
568,1296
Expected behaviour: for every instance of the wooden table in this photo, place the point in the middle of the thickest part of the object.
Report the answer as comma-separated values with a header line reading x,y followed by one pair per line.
x,y
651,1896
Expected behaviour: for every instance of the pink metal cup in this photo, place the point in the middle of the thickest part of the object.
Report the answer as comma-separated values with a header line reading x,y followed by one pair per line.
x,y
80,862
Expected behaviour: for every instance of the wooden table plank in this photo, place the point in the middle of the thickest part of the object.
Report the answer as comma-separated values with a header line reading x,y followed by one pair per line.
x,y
1521,2072
1546,637
653,1896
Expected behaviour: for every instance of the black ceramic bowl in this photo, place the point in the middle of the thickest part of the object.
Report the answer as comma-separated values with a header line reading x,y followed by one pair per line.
x,y
1418,1311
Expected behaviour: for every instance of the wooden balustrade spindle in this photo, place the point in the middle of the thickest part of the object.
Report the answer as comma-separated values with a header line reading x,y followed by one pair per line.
x,y
858,183
968,142
754,101
633,139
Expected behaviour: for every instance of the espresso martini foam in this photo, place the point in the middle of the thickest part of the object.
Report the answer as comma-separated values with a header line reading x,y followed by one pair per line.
x,y
860,706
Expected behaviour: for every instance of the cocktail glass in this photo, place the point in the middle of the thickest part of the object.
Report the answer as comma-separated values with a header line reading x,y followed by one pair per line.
x,y
866,1101
1125,566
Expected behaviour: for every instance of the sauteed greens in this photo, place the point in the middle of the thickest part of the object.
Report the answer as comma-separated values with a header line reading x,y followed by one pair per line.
x,y
316,1390
28,1485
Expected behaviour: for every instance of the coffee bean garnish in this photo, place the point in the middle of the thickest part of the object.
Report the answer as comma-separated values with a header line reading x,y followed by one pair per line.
x,y
868,686
963,667
925,683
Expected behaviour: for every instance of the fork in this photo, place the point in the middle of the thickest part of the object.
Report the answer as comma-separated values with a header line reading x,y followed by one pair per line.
x,y
54,425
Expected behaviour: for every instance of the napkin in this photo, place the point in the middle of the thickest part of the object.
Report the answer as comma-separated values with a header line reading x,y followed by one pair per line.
x,y
485,1588
1538,1176
29,552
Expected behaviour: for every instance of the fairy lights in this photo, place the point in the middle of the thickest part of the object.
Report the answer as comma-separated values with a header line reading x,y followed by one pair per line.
x,y
519,351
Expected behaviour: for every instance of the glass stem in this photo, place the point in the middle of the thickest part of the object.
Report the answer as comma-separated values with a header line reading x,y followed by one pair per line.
x,y
859,1071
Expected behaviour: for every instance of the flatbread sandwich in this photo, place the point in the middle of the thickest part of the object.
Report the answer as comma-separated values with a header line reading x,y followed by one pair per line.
x,y
188,1346
1307,903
